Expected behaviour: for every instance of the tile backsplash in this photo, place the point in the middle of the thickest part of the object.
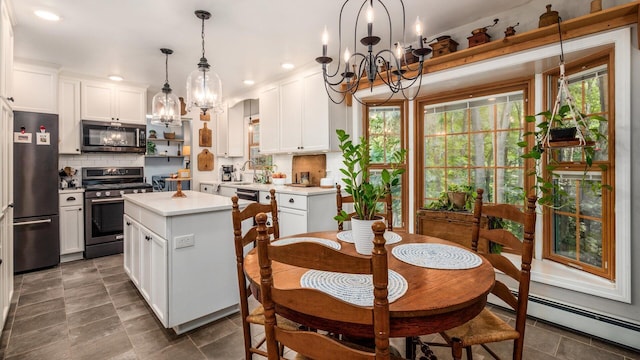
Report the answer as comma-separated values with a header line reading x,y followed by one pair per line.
x,y
99,160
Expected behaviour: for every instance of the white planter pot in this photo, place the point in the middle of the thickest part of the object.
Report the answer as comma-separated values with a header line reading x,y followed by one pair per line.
x,y
363,235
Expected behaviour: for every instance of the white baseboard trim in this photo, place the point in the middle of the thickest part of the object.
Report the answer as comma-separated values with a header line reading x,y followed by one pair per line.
x,y
606,327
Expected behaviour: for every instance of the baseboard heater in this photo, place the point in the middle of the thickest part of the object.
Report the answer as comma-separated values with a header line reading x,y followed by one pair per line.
x,y
611,329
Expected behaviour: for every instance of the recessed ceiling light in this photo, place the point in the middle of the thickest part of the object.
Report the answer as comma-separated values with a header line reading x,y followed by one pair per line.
x,y
116,77
249,82
46,15
287,66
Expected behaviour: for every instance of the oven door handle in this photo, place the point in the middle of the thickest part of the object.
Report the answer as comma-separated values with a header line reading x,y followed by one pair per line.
x,y
106,200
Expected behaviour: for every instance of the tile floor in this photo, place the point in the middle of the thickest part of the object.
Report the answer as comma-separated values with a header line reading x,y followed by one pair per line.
x,y
90,310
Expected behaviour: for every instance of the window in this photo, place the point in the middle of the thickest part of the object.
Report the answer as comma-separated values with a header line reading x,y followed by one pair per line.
x,y
581,233
259,160
473,141
385,128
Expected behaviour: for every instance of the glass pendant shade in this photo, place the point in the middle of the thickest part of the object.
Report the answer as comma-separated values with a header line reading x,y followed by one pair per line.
x,y
204,90
165,105
166,109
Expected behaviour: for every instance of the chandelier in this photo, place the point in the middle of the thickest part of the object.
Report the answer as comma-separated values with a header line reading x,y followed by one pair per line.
x,y
364,68
204,88
165,104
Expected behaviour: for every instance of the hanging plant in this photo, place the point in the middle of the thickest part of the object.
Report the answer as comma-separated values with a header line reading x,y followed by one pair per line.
x,y
564,126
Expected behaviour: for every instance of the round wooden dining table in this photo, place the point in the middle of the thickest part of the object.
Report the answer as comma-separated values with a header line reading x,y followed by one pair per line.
x,y
435,300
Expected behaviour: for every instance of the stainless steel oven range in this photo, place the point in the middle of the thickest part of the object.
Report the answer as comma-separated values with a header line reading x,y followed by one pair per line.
x,y
104,206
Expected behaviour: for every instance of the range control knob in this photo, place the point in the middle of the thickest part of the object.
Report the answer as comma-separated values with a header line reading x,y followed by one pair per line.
x,y
135,191
98,194
144,190
107,193
121,192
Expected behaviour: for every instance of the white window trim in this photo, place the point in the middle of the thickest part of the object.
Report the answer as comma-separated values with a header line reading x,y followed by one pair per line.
x,y
552,273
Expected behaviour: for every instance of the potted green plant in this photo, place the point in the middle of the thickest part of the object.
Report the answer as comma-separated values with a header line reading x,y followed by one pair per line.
x,y
455,198
578,132
366,194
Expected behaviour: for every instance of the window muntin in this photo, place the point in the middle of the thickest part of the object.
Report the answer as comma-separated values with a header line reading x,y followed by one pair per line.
x,y
475,142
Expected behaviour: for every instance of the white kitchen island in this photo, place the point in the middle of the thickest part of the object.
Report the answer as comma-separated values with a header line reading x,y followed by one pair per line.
x,y
179,253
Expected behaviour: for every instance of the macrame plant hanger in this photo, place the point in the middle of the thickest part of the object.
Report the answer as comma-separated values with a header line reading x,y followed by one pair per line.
x,y
563,92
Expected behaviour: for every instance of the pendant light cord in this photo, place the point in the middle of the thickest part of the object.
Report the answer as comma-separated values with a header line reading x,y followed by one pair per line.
x,y
202,33
166,69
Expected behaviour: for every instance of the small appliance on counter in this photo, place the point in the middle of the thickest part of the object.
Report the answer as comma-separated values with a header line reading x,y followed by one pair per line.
x,y
226,173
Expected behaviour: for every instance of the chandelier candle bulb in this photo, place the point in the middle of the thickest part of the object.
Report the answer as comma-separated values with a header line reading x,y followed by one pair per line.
x,y
325,41
369,21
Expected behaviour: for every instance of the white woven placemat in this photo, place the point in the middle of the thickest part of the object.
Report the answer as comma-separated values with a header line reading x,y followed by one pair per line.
x,y
436,256
325,242
389,236
353,288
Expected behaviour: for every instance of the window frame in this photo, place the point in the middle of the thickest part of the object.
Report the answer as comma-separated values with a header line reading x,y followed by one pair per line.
x,y
525,85
404,178
550,79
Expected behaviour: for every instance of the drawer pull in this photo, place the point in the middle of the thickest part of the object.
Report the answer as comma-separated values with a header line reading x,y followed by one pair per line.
x,y
128,223
268,197
147,237
71,198
291,200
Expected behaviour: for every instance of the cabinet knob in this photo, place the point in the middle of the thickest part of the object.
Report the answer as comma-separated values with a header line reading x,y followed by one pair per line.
x,y
291,200
268,197
10,205
147,237
10,98
77,149
79,209
128,223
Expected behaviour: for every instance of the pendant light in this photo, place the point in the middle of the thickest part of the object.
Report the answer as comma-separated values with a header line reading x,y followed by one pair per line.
x,y
204,88
165,104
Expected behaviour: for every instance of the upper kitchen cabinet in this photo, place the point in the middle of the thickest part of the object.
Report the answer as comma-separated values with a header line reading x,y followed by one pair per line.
x,y
6,53
69,115
230,138
35,88
302,117
107,102
269,120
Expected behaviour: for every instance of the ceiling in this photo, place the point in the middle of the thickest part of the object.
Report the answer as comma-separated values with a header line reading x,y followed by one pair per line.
x,y
245,39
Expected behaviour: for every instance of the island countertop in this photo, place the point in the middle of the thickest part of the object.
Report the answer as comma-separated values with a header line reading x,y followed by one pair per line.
x,y
164,204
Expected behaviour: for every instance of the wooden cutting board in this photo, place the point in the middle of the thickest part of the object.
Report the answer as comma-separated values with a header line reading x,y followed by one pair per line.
x,y
205,161
205,136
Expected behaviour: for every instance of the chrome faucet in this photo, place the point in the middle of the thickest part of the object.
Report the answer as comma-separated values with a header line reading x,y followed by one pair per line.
x,y
244,166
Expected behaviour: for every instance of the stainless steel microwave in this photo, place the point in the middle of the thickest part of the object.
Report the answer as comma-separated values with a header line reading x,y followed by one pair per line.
x,y
101,136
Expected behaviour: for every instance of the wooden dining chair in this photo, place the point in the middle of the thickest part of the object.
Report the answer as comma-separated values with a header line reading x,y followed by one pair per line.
x,y
315,303
245,242
387,201
487,327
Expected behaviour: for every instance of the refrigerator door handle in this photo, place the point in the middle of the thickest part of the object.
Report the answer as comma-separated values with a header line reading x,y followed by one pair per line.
x,y
32,222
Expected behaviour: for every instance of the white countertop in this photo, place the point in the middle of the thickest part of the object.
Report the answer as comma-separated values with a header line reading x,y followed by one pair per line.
x,y
283,189
164,204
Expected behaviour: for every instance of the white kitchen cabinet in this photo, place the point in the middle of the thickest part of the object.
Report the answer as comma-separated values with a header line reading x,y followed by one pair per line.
x,y
305,117
291,115
299,213
176,255
208,188
6,164
107,102
6,52
269,121
71,225
69,115
230,137
153,272
227,191
35,88
132,249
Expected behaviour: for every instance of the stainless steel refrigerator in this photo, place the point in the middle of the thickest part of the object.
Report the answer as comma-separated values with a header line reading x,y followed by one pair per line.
x,y
36,239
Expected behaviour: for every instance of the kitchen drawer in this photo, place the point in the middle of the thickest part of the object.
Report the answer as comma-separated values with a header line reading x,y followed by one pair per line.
x,y
292,201
71,199
265,197
207,188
